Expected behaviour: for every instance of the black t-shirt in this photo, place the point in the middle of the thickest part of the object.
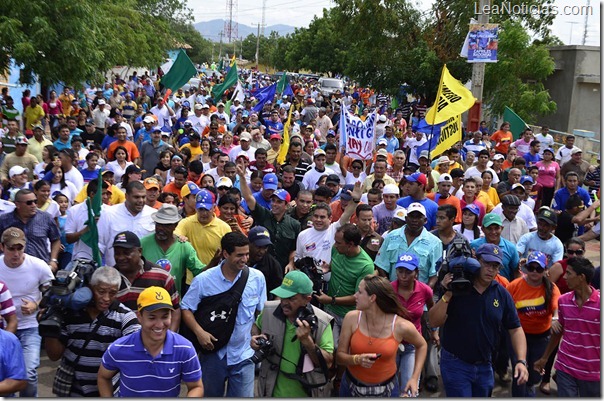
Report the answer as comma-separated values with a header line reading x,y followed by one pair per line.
x,y
272,271
566,229
95,138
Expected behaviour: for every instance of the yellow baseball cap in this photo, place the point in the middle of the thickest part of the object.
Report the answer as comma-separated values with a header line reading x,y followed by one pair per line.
x,y
154,298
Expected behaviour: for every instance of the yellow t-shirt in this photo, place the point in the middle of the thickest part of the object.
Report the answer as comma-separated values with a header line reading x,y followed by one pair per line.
x,y
204,238
33,116
194,150
117,196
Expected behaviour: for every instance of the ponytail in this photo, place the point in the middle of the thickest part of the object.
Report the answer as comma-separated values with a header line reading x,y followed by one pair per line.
x,y
548,292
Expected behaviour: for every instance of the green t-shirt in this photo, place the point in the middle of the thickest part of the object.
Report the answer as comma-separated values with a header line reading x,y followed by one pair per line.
x,y
181,255
346,274
284,386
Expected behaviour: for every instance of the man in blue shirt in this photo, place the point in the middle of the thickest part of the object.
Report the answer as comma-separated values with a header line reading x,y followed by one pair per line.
x,y
416,188
231,362
12,365
153,361
571,180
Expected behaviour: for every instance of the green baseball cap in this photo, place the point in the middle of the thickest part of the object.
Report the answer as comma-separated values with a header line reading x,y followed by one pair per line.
x,y
490,219
294,282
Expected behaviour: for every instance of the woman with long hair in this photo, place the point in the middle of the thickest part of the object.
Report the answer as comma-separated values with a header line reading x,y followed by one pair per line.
x,y
536,300
43,201
503,138
81,119
49,152
175,162
574,247
549,176
59,184
206,146
227,143
469,227
120,164
227,212
487,179
163,165
369,342
91,169
55,109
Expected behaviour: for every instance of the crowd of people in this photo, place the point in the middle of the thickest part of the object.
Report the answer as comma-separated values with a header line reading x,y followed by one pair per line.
x,y
244,274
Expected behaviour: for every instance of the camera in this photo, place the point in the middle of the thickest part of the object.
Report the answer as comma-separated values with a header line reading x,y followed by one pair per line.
x,y
266,348
67,291
305,313
311,267
459,261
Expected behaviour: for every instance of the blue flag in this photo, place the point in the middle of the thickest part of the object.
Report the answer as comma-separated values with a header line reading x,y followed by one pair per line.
x,y
288,91
264,95
432,134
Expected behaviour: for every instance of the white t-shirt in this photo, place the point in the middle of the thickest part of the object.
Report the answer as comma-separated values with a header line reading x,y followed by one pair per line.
x,y
351,180
24,282
546,141
467,234
77,215
75,177
473,172
312,176
69,191
317,244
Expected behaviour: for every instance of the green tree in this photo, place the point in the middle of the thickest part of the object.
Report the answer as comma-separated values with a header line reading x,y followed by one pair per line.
x,y
516,80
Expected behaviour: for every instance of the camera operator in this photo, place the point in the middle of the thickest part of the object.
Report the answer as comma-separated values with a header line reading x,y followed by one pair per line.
x,y
291,318
471,323
86,334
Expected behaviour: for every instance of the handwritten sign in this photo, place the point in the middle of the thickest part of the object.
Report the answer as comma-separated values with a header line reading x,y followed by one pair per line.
x,y
358,135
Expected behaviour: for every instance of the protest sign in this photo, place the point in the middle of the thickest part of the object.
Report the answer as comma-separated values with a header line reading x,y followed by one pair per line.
x,y
358,136
482,43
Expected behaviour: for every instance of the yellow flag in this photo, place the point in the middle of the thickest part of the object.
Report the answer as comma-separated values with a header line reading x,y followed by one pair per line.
x,y
233,59
450,134
285,145
452,99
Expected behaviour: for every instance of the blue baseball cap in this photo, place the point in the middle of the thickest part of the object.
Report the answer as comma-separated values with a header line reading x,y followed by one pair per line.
x,y
526,178
283,195
472,208
204,200
270,181
417,177
259,236
345,194
330,133
537,257
190,188
408,261
490,253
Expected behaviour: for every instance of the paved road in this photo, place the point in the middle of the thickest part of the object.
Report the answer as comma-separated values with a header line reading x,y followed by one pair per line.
x,y
47,368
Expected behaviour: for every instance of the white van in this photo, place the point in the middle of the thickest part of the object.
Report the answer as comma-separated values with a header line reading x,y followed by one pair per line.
x,y
328,86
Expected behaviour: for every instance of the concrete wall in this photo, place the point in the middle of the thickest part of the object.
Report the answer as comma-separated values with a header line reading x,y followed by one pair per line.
x,y
575,87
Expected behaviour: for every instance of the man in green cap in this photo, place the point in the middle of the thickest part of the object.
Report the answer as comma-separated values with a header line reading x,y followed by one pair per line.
x,y
302,338
492,227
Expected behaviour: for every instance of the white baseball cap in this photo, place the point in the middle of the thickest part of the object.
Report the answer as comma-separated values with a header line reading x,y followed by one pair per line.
x,y
417,207
445,178
16,170
390,189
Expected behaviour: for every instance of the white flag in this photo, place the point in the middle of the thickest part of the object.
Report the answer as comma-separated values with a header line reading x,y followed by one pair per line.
x,y
238,94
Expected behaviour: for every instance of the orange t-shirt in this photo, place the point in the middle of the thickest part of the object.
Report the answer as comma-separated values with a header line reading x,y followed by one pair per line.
x,y
502,280
535,316
451,200
503,141
130,147
172,188
337,211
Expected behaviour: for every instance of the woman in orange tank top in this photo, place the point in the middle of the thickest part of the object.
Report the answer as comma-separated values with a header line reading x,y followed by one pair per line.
x,y
369,341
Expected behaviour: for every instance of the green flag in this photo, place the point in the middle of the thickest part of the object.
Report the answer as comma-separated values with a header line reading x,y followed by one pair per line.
x,y
394,103
229,80
282,84
182,70
517,124
91,237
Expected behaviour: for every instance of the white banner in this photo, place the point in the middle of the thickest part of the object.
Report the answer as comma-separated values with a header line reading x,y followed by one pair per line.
x,y
359,136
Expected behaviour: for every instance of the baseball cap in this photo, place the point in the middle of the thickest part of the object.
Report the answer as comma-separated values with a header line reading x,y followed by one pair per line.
x,y
382,152
22,140
382,141
243,154
275,136
537,257
166,214
408,261
330,133
500,156
423,153
154,298
490,219
575,151
148,120
204,106
270,181
283,195
220,104
16,170
490,253
294,282
382,118
39,126
126,239
199,106
526,178
204,200
400,214
472,208
518,185
189,188
510,200
319,152
158,129
549,150
102,102
188,122
417,177
344,195
548,216
445,178
151,182
416,207
443,160
224,182
390,189
194,135
245,137
259,236
13,236
333,179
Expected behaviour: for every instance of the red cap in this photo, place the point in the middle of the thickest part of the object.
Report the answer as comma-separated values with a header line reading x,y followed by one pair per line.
x,y
275,136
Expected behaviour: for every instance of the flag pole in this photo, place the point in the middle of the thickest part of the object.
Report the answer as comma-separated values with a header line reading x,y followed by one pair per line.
x,y
438,93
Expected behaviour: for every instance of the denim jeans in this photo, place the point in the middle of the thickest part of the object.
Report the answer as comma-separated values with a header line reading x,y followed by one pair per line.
x,y
406,363
535,347
215,372
462,379
30,342
568,386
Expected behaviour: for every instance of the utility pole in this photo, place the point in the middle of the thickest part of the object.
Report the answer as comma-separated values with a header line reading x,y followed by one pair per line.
x,y
257,45
478,68
241,48
221,34
570,38
263,15
585,24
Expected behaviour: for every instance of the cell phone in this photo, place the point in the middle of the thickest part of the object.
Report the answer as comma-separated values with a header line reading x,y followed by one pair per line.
x,y
377,356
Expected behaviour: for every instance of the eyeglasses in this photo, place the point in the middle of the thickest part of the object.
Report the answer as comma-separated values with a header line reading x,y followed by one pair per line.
x,y
578,252
532,268
29,202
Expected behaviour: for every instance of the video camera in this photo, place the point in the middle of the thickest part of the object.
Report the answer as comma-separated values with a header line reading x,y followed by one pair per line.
x,y
460,262
67,291
310,266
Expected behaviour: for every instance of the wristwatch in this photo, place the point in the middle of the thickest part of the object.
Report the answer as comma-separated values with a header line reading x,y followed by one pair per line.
x,y
522,361
333,300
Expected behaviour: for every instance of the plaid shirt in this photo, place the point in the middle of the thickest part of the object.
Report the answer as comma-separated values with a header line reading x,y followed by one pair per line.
x,y
395,175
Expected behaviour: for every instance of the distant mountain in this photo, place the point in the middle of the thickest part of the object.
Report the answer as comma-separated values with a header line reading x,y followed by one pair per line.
x,y
211,29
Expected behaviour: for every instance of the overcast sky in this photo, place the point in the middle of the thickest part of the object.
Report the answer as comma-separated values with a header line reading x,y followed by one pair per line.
x,y
299,13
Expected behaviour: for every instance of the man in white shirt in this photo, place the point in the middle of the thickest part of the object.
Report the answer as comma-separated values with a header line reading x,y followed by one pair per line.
x,y
132,215
221,113
163,112
244,146
545,138
514,226
200,119
311,177
100,115
413,144
564,153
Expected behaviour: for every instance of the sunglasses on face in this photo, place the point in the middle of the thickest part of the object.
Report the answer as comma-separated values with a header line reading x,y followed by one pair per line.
x,y
532,268
578,252
29,202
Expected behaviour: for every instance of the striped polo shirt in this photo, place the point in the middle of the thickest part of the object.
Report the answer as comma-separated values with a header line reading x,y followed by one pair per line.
x,y
7,308
150,275
142,375
116,322
579,352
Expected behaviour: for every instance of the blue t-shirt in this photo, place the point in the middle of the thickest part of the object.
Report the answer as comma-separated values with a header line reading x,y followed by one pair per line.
x,y
562,195
430,206
12,364
552,248
108,140
89,175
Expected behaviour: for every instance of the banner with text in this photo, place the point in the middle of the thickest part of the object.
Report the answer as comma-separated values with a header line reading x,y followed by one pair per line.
x,y
441,137
357,135
482,43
